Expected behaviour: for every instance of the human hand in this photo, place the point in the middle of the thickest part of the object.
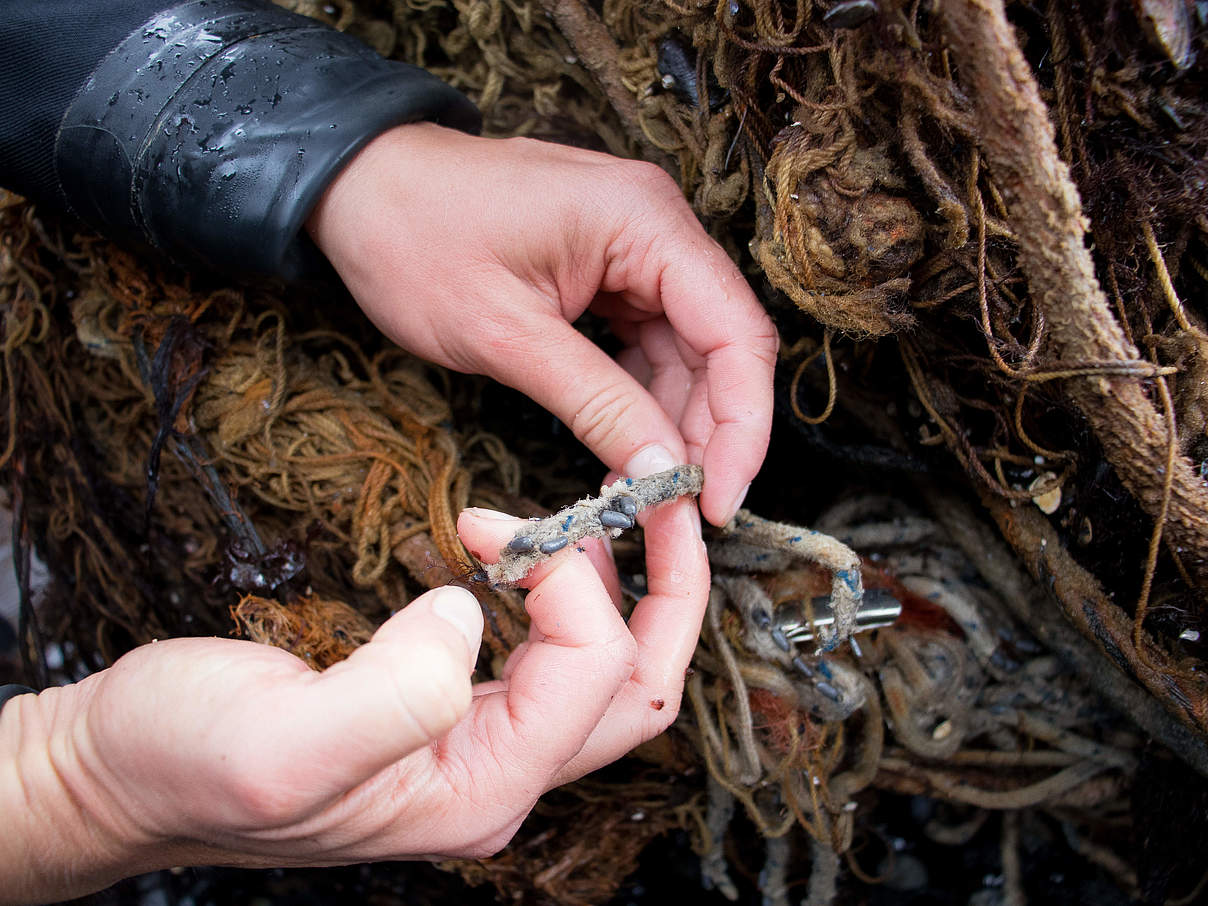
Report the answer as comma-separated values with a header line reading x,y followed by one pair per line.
x,y
477,254
215,751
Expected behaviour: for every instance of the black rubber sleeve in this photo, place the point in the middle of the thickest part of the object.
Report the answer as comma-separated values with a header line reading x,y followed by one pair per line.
x,y
213,128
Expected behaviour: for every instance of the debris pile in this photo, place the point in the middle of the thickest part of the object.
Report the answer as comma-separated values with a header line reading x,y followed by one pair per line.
x,y
981,231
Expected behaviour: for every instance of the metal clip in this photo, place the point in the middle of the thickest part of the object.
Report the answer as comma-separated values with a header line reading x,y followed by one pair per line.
x,y
878,608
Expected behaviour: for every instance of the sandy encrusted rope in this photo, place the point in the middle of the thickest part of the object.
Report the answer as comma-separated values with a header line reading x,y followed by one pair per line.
x,y
615,510
1017,138
753,544
595,47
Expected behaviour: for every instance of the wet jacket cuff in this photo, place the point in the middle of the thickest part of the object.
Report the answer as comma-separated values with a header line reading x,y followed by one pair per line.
x,y
213,129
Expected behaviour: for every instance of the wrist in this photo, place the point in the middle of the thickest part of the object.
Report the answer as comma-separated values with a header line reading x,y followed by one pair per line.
x,y
423,148
64,834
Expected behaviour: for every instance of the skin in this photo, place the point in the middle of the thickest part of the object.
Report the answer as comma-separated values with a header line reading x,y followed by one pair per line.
x,y
486,276
216,751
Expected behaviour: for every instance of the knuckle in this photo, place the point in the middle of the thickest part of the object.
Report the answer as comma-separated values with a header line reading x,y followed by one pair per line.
x,y
759,335
650,178
434,691
479,851
765,340
614,660
500,335
624,652
602,415
270,806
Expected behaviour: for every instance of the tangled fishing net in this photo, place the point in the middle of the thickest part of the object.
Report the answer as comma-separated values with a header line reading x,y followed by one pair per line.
x,y
982,235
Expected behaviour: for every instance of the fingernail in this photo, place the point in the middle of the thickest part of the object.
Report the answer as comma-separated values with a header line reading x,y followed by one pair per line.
x,y
738,501
694,521
483,513
648,460
459,608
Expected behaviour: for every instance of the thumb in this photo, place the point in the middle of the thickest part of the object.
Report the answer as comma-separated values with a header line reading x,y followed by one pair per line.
x,y
407,687
606,408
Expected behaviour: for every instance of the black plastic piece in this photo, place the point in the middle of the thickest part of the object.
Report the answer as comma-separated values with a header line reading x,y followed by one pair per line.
x,y
677,66
850,13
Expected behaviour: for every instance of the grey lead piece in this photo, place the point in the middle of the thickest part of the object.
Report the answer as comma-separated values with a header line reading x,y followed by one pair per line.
x,y
802,667
850,13
829,691
553,545
521,544
779,638
878,608
623,503
615,519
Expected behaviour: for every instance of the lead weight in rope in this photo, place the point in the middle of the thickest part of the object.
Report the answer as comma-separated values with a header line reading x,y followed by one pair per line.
x,y
623,503
521,544
802,667
830,692
614,519
781,639
553,545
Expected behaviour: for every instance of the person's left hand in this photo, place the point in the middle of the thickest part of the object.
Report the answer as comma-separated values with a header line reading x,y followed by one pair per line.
x,y
478,253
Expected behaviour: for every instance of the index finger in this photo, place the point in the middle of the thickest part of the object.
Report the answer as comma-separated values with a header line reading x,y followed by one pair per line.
x,y
559,685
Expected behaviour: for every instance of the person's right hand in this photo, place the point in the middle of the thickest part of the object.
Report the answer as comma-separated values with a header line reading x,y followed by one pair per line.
x,y
216,751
